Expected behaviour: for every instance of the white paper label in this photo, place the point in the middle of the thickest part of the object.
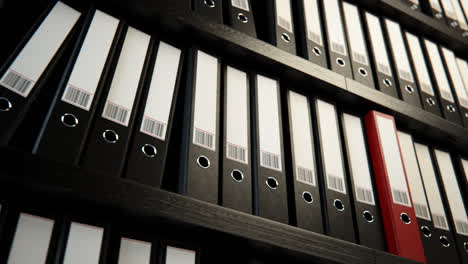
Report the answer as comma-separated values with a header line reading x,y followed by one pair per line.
x,y
449,10
460,16
457,81
393,162
237,104
88,67
302,138
419,63
358,160
134,252
33,59
334,25
465,168
31,240
452,191
161,92
397,45
206,101
378,44
414,177
464,4
435,4
241,4
124,86
283,14
430,183
180,256
463,68
331,146
268,123
84,244
439,70
312,21
356,36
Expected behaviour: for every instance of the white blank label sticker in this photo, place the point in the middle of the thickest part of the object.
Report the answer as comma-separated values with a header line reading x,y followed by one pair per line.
x,y
397,45
134,252
454,74
312,20
448,9
420,64
459,14
463,68
465,168
241,4
335,26
180,256
31,240
356,36
439,71
33,59
435,4
283,14
378,44
84,244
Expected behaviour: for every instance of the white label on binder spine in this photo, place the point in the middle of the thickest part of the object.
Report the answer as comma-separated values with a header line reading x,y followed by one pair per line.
x,y
161,91
430,183
463,68
89,65
205,104
393,162
356,36
452,191
180,256
414,177
358,160
464,4
419,63
312,20
31,241
284,15
465,167
334,25
269,123
448,9
241,4
439,71
237,105
84,244
134,252
122,93
460,16
435,5
457,81
378,44
397,45
416,2
302,138
33,59
331,146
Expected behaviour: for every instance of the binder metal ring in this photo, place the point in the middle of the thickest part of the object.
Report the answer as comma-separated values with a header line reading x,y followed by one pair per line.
x,y
149,150
454,24
210,3
466,115
426,231
307,197
272,183
243,18
362,71
285,37
368,216
203,162
405,218
110,136
5,104
465,246
69,120
430,101
439,16
414,7
237,175
451,108
317,51
338,205
387,82
444,241
340,62
409,89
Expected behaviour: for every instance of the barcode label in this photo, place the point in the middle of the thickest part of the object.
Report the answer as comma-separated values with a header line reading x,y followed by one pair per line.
x,y
116,113
400,197
242,4
285,23
17,83
462,227
365,195
360,58
305,175
440,221
338,48
204,139
336,183
315,37
77,97
406,75
270,160
237,153
422,211
154,128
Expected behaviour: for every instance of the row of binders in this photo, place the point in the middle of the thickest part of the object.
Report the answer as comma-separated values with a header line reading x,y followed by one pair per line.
x,y
125,100
357,44
31,237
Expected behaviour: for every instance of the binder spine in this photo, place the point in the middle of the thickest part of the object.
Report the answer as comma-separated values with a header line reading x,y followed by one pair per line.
x,y
240,16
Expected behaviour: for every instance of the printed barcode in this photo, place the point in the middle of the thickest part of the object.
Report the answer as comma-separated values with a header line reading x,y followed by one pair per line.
x,y
17,83
77,97
421,211
365,195
270,161
305,175
236,153
462,227
338,48
400,197
154,128
242,4
315,37
335,183
116,113
405,75
284,23
440,221
204,139
360,58
384,69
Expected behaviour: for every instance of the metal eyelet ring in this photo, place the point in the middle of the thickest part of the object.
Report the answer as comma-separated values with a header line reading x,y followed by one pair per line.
x,y
338,205
286,37
5,104
340,62
363,72
426,231
409,89
444,241
451,108
237,175
210,3
317,51
69,120
203,162
149,150
272,183
368,216
430,101
242,18
387,82
307,197
405,218
110,136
